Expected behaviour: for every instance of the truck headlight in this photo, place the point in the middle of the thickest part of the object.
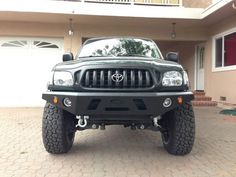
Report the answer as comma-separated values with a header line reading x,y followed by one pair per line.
x,y
172,78
186,80
62,78
50,82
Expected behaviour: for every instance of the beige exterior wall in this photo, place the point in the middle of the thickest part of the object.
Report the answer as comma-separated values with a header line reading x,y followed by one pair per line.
x,y
221,83
197,4
159,32
27,29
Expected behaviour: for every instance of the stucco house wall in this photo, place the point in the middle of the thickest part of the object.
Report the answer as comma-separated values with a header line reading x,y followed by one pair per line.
x,y
219,83
34,29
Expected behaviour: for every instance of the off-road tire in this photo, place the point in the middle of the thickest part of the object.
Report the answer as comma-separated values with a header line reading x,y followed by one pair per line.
x,y
58,129
178,139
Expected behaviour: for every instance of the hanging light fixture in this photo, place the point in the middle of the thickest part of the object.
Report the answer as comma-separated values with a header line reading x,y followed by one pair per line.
x,y
71,31
234,6
173,33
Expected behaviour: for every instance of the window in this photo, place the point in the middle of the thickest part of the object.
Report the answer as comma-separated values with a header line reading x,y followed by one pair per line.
x,y
201,61
116,47
42,44
218,54
14,44
225,51
230,50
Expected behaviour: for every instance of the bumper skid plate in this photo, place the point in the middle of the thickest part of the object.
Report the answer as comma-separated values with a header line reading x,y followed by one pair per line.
x,y
107,103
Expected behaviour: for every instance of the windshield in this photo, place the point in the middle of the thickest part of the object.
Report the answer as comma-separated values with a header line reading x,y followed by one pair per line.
x,y
127,47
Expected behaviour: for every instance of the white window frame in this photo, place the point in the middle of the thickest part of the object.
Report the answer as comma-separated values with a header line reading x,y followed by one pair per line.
x,y
214,38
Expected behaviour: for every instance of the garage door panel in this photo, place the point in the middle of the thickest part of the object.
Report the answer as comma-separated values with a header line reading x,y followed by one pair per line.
x,y
25,69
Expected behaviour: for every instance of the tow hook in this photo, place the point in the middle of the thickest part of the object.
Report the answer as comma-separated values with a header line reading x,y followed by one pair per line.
x,y
155,121
82,121
157,125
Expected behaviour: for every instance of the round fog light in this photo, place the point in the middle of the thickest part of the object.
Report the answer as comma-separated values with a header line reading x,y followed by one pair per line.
x,y
67,102
167,102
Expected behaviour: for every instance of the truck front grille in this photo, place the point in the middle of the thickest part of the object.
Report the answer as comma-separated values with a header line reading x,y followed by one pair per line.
x,y
117,78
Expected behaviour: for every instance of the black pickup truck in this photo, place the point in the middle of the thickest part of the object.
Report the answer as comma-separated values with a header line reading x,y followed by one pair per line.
x,y
119,81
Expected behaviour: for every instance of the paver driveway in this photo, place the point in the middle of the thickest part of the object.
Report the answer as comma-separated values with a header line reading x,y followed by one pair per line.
x,y
116,151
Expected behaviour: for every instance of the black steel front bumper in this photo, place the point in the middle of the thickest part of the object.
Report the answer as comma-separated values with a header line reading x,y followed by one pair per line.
x,y
110,103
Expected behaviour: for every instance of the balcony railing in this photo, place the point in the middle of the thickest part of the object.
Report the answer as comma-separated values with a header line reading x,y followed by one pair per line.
x,y
136,2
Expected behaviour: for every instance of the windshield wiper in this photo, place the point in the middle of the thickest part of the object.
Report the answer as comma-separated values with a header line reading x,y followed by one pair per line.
x,y
90,56
119,55
132,55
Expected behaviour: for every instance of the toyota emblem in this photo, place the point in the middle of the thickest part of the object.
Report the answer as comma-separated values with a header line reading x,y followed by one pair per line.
x,y
117,77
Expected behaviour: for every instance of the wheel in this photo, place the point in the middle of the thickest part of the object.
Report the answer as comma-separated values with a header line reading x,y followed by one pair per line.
x,y
179,134
58,129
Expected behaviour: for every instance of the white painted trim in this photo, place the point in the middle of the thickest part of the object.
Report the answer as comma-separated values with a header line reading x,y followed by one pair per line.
x,y
227,32
195,68
100,9
103,9
223,51
196,65
213,61
221,35
214,7
226,68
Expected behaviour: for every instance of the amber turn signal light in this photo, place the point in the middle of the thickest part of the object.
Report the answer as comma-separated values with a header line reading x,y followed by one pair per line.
x,y
180,100
55,100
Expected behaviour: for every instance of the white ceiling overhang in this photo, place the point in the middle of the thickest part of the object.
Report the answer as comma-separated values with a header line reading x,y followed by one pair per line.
x,y
61,11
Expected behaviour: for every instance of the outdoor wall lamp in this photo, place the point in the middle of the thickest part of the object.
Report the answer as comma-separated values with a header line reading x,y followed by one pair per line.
x,y
173,33
234,6
71,31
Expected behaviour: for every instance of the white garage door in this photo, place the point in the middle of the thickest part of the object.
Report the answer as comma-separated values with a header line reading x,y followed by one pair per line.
x,y
25,67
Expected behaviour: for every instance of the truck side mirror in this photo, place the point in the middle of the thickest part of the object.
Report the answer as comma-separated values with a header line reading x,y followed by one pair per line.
x,y
68,57
172,56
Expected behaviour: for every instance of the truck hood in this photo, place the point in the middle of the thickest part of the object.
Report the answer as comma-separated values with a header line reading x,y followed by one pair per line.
x,y
115,61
